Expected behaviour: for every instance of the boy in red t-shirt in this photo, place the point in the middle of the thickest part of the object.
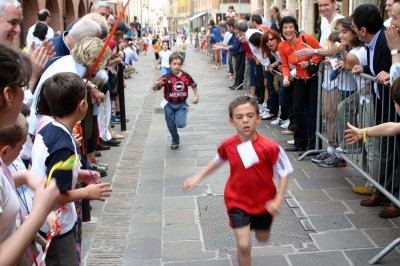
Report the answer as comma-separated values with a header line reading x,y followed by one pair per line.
x,y
250,194
176,83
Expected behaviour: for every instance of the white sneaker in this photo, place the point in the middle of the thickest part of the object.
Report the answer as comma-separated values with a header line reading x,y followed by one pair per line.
x,y
214,67
277,121
285,124
266,116
291,142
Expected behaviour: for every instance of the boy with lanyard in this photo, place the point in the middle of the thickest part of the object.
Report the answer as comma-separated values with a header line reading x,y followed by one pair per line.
x,y
250,193
176,92
65,95
15,193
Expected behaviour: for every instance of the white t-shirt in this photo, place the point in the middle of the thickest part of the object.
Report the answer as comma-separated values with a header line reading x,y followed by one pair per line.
x,y
165,57
227,37
9,207
231,14
347,81
29,37
326,29
24,191
52,140
64,64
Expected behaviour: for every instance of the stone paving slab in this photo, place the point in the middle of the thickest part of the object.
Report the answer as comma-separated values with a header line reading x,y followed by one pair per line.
x,y
323,207
334,258
224,262
360,257
344,239
185,251
330,222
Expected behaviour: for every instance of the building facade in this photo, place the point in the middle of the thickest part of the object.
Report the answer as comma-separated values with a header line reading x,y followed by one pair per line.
x,y
197,13
63,12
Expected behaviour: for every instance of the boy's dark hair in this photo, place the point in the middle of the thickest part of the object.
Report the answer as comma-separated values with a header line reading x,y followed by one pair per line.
x,y
40,30
367,16
25,110
242,100
231,22
395,91
165,41
255,39
334,36
288,20
42,107
256,18
12,135
16,69
247,17
175,55
212,22
63,92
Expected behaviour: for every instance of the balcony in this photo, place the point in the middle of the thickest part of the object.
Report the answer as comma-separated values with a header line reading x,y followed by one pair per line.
x,y
234,1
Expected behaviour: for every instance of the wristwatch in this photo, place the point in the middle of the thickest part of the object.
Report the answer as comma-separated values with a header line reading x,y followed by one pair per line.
x,y
316,52
394,52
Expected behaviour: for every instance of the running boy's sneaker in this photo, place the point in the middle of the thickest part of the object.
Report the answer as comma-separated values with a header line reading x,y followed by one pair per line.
x,y
214,67
174,145
322,156
333,161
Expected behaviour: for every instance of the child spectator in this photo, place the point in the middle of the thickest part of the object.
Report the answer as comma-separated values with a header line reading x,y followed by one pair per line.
x,y
129,49
145,41
16,193
157,48
250,193
65,94
182,48
164,58
176,83
230,13
203,42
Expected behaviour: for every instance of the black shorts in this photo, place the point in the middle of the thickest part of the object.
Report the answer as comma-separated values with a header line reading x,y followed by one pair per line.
x,y
239,218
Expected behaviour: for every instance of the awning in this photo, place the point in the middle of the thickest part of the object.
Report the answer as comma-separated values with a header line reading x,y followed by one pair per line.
x,y
198,15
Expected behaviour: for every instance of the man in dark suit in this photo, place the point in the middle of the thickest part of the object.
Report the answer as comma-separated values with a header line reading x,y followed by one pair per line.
x,y
368,26
273,10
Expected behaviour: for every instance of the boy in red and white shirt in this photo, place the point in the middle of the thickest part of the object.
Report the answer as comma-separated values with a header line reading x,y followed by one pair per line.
x,y
250,194
176,83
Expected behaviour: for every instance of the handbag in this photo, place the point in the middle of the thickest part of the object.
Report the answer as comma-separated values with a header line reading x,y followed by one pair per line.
x,y
312,69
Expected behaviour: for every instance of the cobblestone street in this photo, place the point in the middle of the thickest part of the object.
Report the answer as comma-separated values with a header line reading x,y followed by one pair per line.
x,y
148,220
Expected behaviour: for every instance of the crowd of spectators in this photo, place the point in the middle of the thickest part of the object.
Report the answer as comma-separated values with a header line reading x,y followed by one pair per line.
x,y
278,65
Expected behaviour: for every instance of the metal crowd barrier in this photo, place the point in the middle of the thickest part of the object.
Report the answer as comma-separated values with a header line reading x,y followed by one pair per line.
x,y
351,98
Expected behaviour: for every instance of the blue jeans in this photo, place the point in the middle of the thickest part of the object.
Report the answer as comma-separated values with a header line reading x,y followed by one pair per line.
x,y
224,57
184,56
165,70
175,116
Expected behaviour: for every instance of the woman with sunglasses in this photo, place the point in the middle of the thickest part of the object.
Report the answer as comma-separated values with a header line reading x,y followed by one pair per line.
x,y
269,46
306,87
